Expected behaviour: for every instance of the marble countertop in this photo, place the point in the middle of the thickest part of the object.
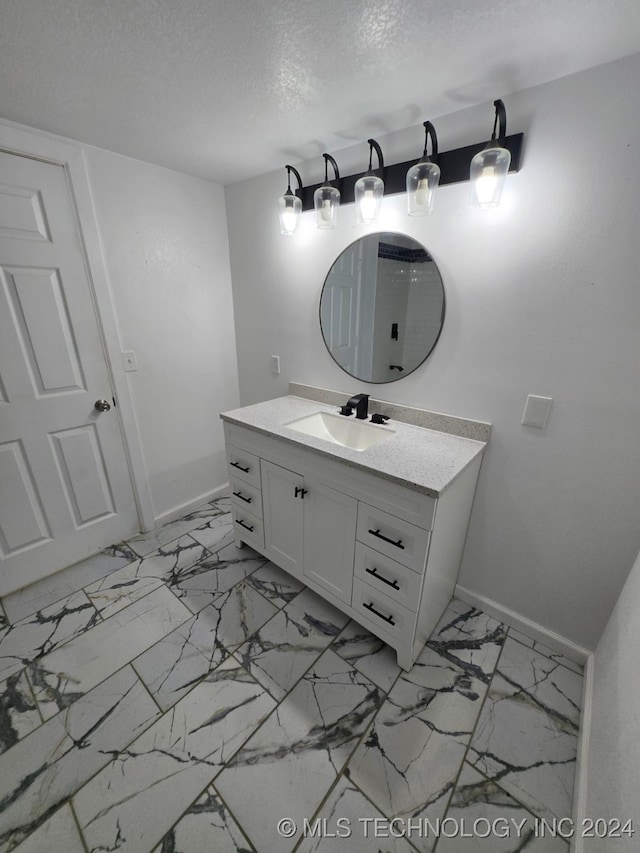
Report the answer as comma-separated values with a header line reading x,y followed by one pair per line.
x,y
423,459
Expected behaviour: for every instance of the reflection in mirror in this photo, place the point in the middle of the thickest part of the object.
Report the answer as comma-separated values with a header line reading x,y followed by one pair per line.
x,y
382,307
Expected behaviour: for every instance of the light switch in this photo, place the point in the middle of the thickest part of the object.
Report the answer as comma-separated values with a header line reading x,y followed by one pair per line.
x,y
275,364
536,412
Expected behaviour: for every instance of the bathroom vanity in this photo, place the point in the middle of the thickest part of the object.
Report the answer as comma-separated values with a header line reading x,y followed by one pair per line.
x,y
373,517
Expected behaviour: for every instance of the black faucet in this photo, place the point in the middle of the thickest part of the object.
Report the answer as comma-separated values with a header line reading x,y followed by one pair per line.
x,y
360,402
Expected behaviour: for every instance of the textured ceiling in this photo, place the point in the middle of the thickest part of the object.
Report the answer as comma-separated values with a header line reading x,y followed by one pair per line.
x,y
227,89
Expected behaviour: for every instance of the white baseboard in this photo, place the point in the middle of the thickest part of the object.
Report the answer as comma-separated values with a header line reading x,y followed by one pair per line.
x,y
580,786
532,629
189,506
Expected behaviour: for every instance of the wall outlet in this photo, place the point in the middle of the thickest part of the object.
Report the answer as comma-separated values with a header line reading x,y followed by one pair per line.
x,y
536,411
275,364
130,361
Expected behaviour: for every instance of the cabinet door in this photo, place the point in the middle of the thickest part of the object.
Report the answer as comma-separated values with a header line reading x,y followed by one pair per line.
x,y
329,539
283,511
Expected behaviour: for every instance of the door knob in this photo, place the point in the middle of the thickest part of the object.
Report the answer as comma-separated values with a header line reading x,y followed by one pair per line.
x,y
102,405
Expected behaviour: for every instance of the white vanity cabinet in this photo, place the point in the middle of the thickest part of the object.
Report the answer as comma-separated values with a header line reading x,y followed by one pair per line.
x,y
299,512
382,552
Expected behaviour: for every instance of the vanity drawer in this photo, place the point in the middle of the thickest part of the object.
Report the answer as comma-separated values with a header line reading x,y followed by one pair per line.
x,y
248,526
243,465
246,497
393,537
388,577
379,613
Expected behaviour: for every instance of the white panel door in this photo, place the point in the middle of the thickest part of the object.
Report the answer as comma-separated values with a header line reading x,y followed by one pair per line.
x,y
339,309
283,516
328,559
65,487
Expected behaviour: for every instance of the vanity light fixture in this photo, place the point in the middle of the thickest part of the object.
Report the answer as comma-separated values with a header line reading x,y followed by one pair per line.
x,y
326,199
489,167
369,189
290,205
423,177
490,161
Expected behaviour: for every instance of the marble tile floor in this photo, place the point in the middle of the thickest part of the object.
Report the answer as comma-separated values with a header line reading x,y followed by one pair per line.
x,y
175,694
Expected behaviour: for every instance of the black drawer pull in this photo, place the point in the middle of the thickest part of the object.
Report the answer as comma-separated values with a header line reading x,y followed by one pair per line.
x,y
236,465
246,526
242,497
388,619
377,533
300,491
374,572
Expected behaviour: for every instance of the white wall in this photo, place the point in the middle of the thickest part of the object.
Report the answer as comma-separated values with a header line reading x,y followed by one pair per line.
x,y
613,763
164,239
542,298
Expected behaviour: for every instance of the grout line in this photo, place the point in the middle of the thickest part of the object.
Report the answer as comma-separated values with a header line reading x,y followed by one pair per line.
x,y
504,791
301,677
35,702
59,644
344,772
106,574
144,684
240,747
473,730
229,811
276,604
287,694
345,768
162,583
192,616
230,653
465,760
139,731
354,665
77,822
68,594
162,545
106,622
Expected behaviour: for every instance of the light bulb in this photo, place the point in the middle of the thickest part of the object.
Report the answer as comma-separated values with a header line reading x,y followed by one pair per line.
x,y
368,193
368,206
422,181
289,221
486,186
488,173
290,208
422,192
326,201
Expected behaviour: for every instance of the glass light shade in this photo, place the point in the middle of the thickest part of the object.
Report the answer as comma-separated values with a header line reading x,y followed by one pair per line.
x,y
489,169
290,208
326,200
422,180
368,192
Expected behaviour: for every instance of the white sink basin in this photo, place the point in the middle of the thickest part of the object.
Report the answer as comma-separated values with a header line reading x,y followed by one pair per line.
x,y
342,430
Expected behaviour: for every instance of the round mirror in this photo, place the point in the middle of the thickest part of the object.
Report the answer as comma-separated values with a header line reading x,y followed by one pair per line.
x,y
382,307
